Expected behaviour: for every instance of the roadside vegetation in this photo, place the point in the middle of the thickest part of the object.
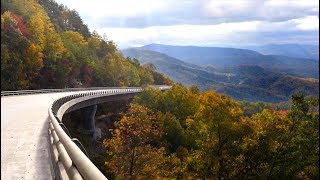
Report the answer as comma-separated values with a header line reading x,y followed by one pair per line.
x,y
186,134
46,45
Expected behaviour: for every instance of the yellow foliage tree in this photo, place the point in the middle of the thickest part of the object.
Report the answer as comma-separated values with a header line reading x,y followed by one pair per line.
x,y
33,61
215,124
36,27
133,147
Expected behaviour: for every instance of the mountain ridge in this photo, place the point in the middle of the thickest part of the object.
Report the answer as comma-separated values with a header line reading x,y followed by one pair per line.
x,y
290,50
241,82
219,56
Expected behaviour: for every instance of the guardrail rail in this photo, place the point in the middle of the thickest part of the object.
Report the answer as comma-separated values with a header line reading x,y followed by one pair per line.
x,y
38,91
69,158
69,161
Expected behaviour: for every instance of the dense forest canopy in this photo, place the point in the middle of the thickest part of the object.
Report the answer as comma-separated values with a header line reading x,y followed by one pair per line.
x,y
47,45
186,134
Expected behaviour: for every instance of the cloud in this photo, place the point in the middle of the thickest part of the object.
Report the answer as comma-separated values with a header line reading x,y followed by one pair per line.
x,y
222,9
201,22
307,23
144,13
114,9
176,33
115,12
263,10
250,32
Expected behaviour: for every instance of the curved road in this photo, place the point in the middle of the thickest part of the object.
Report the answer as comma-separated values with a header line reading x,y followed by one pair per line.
x,y
24,136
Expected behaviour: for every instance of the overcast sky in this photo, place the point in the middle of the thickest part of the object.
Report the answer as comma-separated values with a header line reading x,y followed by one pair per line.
x,y
201,22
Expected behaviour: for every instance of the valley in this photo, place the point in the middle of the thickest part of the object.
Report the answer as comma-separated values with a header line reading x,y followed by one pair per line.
x,y
240,73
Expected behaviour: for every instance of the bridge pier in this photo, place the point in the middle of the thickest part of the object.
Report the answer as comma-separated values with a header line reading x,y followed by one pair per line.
x,y
87,125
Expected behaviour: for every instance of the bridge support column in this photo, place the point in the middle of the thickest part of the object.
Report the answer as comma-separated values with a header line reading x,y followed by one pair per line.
x,y
88,122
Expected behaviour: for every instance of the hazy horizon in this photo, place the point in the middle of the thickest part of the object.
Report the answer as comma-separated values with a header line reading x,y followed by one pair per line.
x,y
226,46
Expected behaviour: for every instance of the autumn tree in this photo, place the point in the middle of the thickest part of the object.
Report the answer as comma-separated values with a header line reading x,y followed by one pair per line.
x,y
216,121
65,19
174,134
133,147
13,45
47,45
177,105
207,137
302,151
33,62
36,27
281,146
146,77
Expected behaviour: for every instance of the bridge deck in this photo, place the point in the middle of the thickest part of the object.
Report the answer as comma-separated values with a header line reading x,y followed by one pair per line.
x,y
24,136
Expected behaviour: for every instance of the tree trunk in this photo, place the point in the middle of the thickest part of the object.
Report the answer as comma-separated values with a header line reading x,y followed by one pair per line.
x,y
131,163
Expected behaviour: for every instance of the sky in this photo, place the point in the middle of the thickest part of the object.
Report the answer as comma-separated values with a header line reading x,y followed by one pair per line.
x,y
132,23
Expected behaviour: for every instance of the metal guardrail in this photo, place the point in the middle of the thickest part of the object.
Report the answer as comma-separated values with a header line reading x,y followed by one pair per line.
x,y
69,161
26,92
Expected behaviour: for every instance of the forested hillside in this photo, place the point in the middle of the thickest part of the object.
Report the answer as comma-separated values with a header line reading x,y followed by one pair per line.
x,y
46,45
177,70
221,56
241,82
186,134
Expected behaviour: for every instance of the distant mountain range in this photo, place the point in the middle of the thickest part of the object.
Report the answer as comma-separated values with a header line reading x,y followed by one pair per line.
x,y
240,73
218,57
176,69
290,50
